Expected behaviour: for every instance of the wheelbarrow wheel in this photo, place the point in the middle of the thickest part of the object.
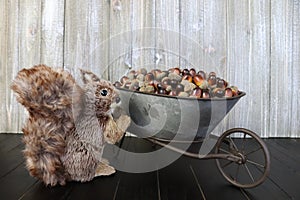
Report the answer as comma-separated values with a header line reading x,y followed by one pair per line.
x,y
253,164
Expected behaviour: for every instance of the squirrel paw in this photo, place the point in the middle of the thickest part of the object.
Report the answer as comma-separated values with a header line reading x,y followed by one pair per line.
x,y
104,169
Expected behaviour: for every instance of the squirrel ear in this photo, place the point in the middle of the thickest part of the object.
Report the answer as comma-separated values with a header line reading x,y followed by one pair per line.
x,y
89,77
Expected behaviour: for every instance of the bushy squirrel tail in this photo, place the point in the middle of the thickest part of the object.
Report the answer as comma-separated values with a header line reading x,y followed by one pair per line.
x,y
43,90
47,95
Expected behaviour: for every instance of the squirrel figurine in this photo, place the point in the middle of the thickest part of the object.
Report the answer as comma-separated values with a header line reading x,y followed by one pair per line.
x,y
68,124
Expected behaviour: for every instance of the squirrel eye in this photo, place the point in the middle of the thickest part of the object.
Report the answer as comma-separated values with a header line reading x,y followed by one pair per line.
x,y
104,92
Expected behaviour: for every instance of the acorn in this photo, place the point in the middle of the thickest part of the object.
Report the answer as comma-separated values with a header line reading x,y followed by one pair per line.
x,y
131,74
198,79
173,84
160,86
149,77
185,72
173,93
154,83
188,77
140,77
179,88
189,87
218,92
168,88
202,73
156,72
124,79
118,84
160,75
162,91
204,85
193,72
134,85
127,85
205,94
197,92
228,92
141,71
221,83
175,70
175,76
235,90
166,81
212,74
212,80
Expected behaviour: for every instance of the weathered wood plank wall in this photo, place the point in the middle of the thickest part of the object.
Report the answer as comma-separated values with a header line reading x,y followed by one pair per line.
x,y
255,44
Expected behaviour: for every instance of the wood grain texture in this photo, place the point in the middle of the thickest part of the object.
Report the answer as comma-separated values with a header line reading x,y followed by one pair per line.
x,y
238,57
120,41
143,34
281,68
214,42
191,34
253,44
86,28
295,113
167,20
52,33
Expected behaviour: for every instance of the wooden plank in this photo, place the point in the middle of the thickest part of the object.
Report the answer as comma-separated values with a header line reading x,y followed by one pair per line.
x,y
281,71
177,181
284,172
52,33
137,186
18,179
143,34
238,65
39,191
4,136
192,30
167,33
295,75
11,60
211,181
214,44
120,41
289,151
259,64
11,142
10,160
28,37
3,52
214,39
250,68
86,28
133,185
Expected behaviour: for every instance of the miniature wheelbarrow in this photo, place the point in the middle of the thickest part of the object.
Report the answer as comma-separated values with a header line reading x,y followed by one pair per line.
x,y
241,155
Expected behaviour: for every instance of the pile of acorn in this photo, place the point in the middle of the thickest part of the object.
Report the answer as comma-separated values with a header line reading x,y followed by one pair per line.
x,y
177,82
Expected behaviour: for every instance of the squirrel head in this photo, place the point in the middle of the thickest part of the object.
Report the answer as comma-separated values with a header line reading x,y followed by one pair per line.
x,y
100,93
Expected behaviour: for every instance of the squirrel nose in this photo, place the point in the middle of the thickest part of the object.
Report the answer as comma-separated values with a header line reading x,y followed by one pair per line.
x,y
118,99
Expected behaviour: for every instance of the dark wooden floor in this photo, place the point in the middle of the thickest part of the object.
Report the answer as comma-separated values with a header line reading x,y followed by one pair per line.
x,y
186,178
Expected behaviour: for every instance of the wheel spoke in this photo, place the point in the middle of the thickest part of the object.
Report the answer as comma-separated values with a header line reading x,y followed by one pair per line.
x,y
244,141
253,151
249,173
225,151
227,164
237,172
256,164
235,147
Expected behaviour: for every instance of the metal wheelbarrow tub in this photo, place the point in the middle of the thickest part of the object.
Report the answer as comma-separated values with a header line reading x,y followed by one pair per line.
x,y
170,117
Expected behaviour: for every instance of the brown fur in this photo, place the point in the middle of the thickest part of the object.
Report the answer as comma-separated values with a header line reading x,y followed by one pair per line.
x,y
68,125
